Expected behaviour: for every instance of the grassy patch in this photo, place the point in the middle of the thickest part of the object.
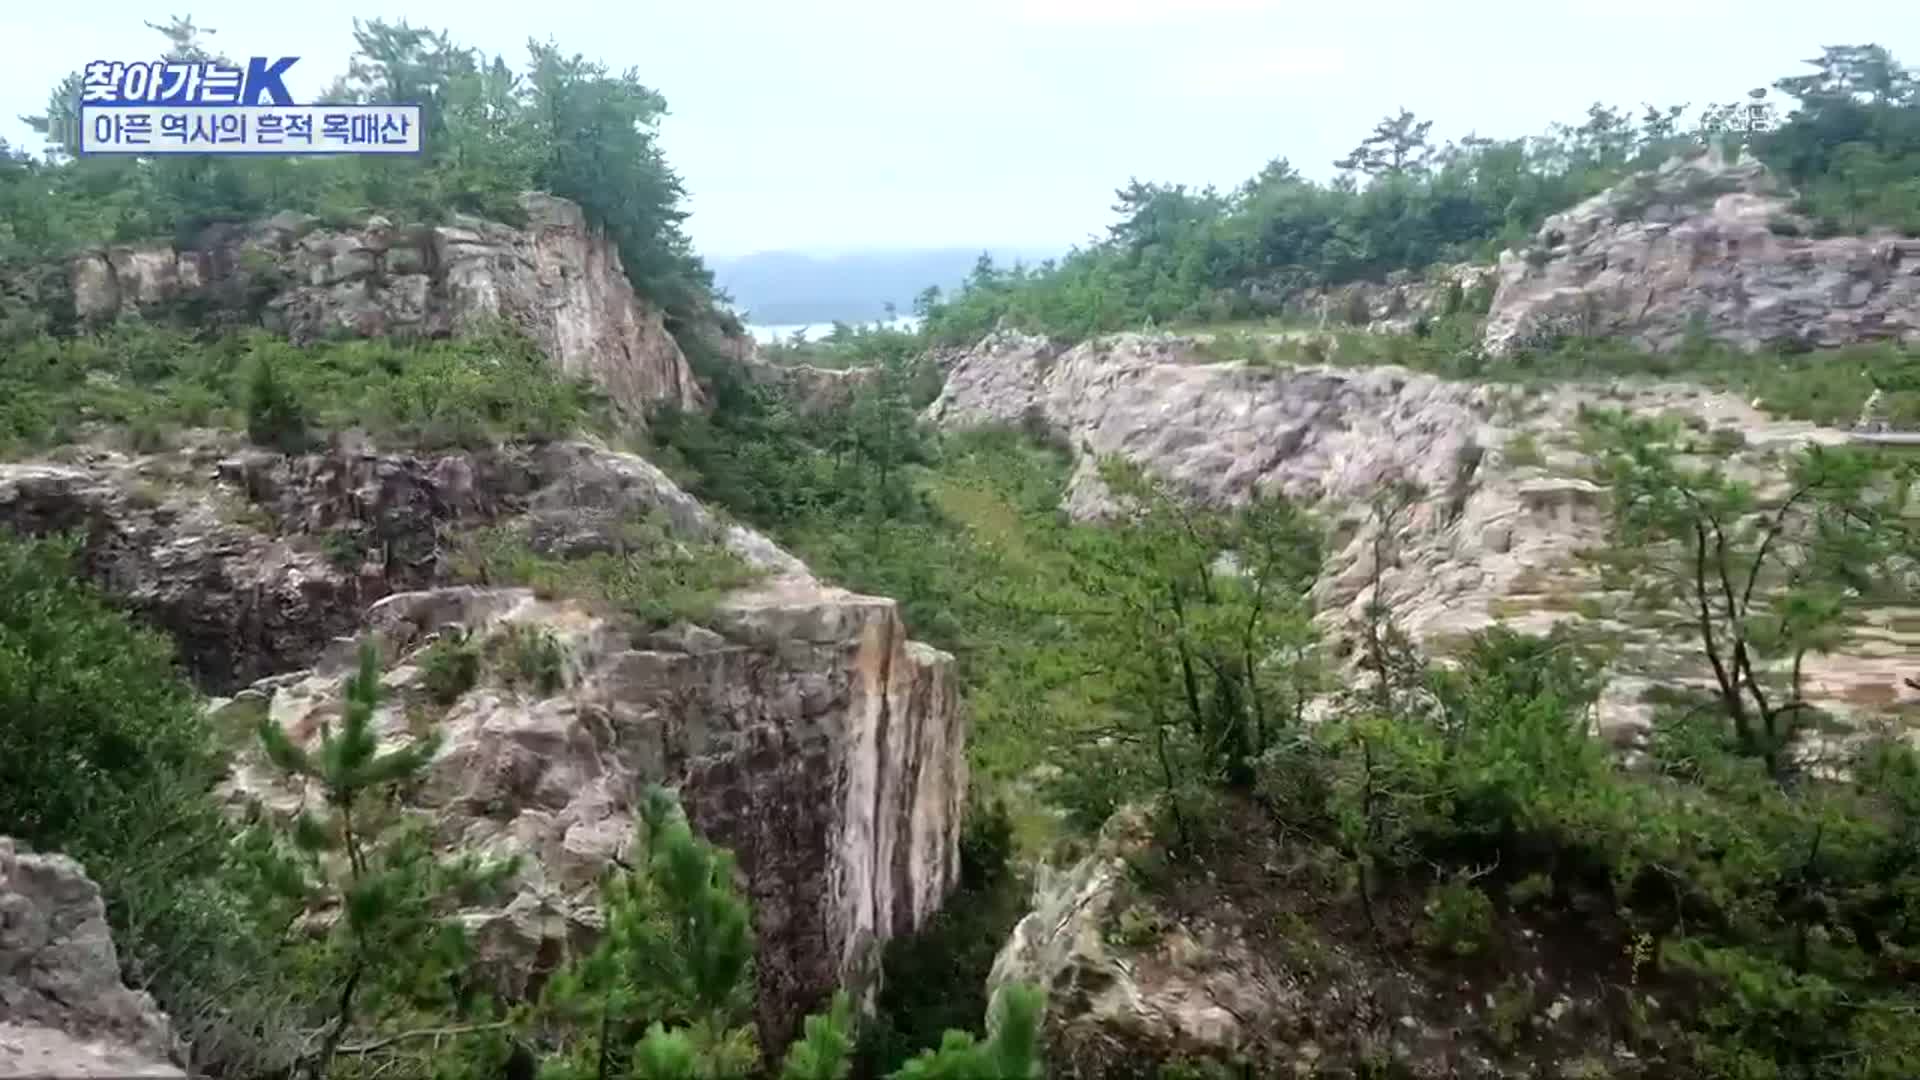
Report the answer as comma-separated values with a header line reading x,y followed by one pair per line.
x,y
649,575
1523,450
529,657
150,381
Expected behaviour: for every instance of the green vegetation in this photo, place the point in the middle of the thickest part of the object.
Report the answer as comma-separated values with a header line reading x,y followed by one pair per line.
x,y
1736,908
395,941
1763,584
561,125
450,666
530,657
667,992
677,954
470,391
116,766
1467,805
651,576
104,756
1851,147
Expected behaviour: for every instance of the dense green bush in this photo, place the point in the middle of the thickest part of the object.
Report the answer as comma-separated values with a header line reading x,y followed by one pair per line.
x,y
1778,908
105,756
449,667
469,391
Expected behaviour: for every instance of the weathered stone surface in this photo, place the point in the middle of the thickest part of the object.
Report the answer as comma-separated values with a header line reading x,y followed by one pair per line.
x,y
1709,245
1109,1003
1496,535
808,388
239,603
557,279
1392,306
63,1009
808,734
254,561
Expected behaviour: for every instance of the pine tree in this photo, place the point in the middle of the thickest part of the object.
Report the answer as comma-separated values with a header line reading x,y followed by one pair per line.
x,y
1011,1052
358,858
672,974
825,1051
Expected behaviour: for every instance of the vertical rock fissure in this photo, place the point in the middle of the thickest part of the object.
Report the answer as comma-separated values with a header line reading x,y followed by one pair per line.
x,y
882,730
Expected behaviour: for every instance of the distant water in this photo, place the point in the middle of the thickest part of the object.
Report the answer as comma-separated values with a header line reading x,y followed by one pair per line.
x,y
767,335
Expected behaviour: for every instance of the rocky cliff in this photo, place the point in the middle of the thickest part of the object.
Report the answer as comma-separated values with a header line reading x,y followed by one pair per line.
x,y
1704,246
1506,509
805,729
63,1010
555,278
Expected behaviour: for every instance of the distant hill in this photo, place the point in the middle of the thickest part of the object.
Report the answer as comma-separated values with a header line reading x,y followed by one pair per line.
x,y
785,287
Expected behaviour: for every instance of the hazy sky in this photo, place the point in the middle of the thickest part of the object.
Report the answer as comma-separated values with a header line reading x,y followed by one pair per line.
x,y
1008,123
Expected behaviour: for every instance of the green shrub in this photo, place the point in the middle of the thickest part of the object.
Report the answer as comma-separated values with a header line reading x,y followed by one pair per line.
x,y
530,656
468,391
449,667
105,756
275,415
1522,450
1357,313
1458,919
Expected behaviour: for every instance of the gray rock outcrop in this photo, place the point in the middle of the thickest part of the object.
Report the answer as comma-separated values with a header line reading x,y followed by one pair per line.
x,y
557,279
1704,246
63,1009
1192,992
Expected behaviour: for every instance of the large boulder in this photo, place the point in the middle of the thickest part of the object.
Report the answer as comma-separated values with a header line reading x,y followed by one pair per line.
x,y
63,1009
555,278
1704,246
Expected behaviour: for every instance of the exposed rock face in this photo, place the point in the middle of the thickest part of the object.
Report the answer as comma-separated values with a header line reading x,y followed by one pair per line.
x,y
254,561
1392,306
63,1010
809,389
1704,245
556,279
1498,531
804,728
1105,1005
806,733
